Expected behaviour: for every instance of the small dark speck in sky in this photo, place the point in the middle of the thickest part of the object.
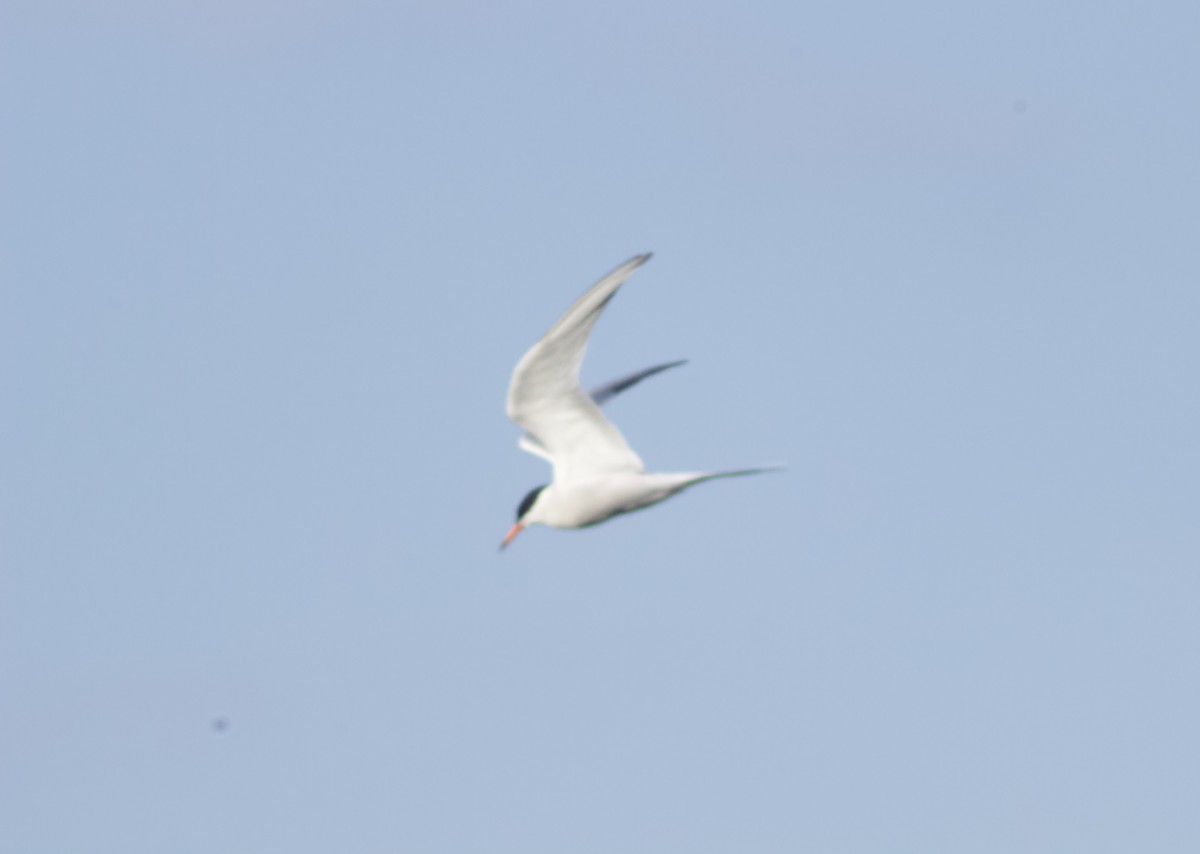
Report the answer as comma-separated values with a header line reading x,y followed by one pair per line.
x,y
1019,106
220,724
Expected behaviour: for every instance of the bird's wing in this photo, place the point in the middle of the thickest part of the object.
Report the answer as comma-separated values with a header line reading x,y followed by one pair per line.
x,y
528,443
600,395
546,400
603,394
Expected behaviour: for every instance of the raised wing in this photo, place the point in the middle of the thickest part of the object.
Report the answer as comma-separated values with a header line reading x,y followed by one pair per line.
x,y
562,421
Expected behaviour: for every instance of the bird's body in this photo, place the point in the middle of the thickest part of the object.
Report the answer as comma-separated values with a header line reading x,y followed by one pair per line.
x,y
596,474
582,503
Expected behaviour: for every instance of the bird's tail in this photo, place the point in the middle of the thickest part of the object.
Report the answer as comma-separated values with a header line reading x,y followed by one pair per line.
x,y
701,478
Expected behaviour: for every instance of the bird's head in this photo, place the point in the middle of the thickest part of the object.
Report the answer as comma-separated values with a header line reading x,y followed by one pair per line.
x,y
526,515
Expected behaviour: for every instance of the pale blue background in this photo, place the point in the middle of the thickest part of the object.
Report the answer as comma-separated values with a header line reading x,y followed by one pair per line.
x,y
266,267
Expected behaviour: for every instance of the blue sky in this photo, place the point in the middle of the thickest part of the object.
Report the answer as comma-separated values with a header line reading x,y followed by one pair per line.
x,y
265,269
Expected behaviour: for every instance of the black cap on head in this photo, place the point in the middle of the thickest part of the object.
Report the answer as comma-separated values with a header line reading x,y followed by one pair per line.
x,y
528,500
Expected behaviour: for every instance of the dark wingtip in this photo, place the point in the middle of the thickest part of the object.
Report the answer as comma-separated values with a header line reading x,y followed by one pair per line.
x,y
606,392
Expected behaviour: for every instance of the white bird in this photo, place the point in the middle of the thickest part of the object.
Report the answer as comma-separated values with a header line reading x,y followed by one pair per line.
x,y
596,474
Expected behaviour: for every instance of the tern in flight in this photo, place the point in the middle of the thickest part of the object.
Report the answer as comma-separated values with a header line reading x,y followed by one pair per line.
x,y
596,474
